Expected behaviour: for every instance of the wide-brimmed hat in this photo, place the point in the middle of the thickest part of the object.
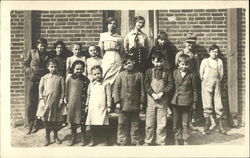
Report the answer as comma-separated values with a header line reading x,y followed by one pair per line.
x,y
190,37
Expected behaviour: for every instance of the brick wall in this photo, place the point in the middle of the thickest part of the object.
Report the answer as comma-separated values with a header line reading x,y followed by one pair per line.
x,y
241,61
17,75
68,25
209,25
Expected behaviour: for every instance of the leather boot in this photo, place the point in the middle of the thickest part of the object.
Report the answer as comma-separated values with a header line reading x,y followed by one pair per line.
x,y
73,131
191,127
47,137
56,139
35,126
73,140
83,130
185,142
206,126
177,142
221,129
30,128
92,141
83,143
28,131
212,121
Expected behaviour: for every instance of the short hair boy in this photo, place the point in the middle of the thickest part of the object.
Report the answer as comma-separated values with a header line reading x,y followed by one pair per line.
x,y
129,97
158,84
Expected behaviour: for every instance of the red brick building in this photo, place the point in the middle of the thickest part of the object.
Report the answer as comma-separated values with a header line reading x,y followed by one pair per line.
x,y
225,27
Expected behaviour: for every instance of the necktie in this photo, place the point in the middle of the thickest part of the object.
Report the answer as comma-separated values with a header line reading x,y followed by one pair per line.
x,y
136,40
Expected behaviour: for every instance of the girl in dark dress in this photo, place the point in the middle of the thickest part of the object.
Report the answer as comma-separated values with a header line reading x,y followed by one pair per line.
x,y
76,94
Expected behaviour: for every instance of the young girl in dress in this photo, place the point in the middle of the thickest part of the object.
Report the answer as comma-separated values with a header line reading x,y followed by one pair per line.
x,y
78,55
95,59
97,108
51,91
76,93
60,54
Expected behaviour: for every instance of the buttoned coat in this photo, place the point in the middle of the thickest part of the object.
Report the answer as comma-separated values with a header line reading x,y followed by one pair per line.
x,y
35,65
129,91
185,89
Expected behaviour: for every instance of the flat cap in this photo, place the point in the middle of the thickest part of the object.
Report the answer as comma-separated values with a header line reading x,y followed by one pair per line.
x,y
190,37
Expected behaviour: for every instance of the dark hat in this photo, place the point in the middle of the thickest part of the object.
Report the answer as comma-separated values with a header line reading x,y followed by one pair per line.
x,y
190,37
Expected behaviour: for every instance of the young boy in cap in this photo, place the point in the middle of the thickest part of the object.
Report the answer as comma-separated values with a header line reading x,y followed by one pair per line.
x,y
185,97
191,50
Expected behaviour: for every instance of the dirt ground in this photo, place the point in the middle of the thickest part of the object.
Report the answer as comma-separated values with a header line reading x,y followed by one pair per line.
x,y
19,139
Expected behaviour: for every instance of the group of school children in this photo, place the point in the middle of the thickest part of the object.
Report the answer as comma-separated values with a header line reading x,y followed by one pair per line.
x,y
121,76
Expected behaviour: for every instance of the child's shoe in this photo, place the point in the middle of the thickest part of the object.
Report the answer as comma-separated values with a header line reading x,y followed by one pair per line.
x,y
73,140
212,121
206,126
192,128
185,142
28,131
104,144
83,143
91,143
138,143
47,141
47,136
34,130
146,144
177,142
221,129
57,140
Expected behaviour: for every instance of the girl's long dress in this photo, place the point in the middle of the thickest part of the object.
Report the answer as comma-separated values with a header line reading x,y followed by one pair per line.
x,y
51,87
112,61
76,93
99,98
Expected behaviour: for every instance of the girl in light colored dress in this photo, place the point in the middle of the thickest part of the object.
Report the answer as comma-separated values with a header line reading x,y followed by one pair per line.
x,y
95,59
51,91
60,54
111,45
75,97
97,108
78,55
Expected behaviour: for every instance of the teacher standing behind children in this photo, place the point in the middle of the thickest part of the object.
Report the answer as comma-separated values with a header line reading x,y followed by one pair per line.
x,y
111,45
136,42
